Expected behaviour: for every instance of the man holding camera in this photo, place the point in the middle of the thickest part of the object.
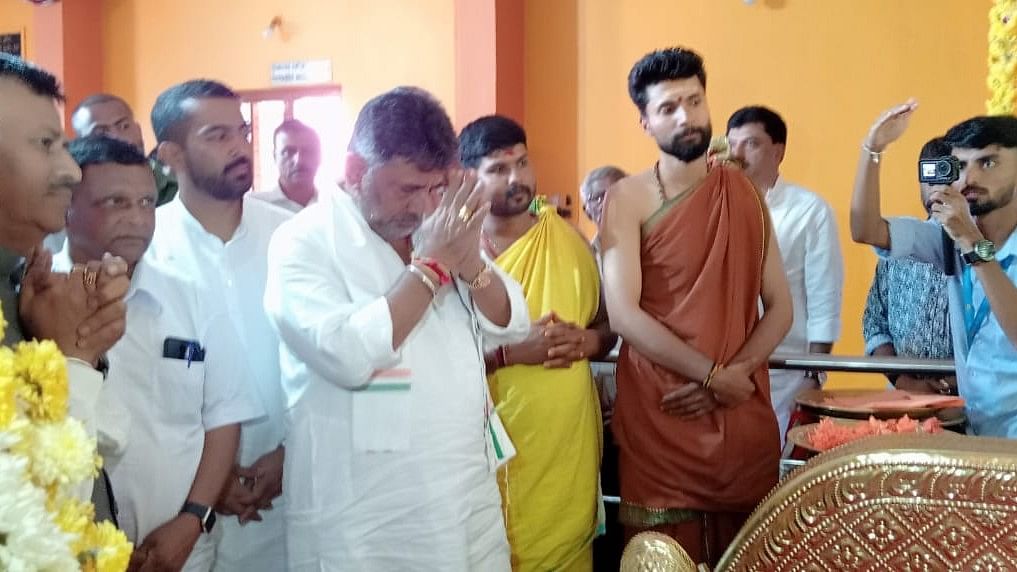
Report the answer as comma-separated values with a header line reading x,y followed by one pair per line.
x,y
978,212
907,310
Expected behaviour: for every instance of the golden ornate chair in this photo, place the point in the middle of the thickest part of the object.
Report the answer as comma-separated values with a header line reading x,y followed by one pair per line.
x,y
655,552
898,502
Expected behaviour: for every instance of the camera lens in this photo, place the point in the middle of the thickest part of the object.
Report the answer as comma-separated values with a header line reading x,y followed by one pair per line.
x,y
942,168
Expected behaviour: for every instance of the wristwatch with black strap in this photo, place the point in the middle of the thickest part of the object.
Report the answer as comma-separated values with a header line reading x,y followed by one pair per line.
x,y
205,514
983,251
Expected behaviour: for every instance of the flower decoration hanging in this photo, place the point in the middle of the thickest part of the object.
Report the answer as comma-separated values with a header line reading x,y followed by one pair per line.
x,y
1002,79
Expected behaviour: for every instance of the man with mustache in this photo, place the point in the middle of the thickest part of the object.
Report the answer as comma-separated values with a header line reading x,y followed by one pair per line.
x,y
806,231
979,213
184,409
82,311
906,312
215,234
542,386
298,156
385,303
688,253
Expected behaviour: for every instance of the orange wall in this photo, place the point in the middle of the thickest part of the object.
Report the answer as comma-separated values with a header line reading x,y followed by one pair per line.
x,y
551,94
16,16
81,25
476,61
828,67
374,46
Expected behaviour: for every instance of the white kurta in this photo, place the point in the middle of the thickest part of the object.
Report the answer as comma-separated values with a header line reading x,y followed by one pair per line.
x,y
173,402
387,458
277,197
806,231
234,272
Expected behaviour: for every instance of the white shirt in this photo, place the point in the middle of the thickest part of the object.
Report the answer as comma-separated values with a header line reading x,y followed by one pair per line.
x,y
107,422
387,458
173,403
806,232
277,197
234,273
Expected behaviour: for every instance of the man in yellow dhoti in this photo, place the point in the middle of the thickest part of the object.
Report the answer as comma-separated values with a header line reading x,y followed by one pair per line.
x,y
542,388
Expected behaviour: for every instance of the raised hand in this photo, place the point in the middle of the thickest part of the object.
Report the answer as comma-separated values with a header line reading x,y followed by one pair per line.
x,y
452,233
952,210
106,282
51,306
890,126
82,311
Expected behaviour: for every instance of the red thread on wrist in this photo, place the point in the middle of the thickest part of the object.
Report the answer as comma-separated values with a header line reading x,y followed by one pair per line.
x,y
444,277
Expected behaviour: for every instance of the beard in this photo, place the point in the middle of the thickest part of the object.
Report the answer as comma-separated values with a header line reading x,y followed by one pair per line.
x,y
980,209
688,151
221,185
516,200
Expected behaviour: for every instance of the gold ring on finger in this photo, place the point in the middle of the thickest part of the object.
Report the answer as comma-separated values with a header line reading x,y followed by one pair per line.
x,y
90,278
464,214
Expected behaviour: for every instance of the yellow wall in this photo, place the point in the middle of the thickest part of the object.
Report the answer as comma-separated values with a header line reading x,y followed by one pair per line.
x,y
16,16
374,46
829,67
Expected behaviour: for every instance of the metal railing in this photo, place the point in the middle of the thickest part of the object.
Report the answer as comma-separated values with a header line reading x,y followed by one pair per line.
x,y
853,364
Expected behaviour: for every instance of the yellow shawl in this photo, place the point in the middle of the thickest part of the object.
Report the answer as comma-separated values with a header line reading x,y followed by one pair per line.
x,y
549,489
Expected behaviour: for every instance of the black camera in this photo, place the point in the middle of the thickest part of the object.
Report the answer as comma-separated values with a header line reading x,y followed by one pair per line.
x,y
939,170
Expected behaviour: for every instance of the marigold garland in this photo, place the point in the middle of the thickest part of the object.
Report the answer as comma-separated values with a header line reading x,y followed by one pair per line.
x,y
44,454
1002,79
42,375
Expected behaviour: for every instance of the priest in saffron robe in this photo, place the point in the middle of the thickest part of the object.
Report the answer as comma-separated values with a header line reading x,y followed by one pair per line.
x,y
688,255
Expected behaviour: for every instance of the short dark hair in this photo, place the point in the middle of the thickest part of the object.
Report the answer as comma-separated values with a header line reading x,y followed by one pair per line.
x,y
168,114
38,80
663,65
99,150
935,147
771,121
294,126
405,122
486,135
980,132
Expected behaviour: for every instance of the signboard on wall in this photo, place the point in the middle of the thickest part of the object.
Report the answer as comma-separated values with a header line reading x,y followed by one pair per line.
x,y
302,72
13,44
